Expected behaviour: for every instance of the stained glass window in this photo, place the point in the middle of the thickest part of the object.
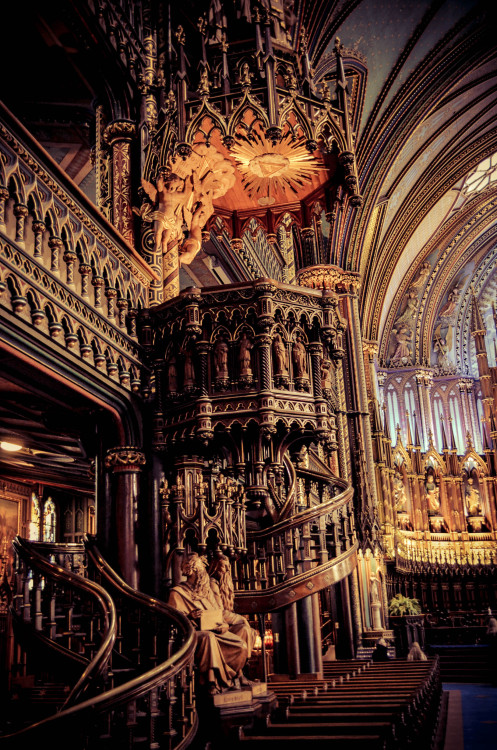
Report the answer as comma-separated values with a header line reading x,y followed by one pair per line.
x,y
35,518
49,520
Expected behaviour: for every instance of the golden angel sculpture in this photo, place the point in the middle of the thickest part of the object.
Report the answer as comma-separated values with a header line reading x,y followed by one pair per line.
x,y
183,196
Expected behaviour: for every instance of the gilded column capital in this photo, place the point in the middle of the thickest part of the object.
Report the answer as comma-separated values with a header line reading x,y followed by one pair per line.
x,y
69,256
329,278
55,243
370,347
21,210
315,348
98,281
119,130
125,458
38,227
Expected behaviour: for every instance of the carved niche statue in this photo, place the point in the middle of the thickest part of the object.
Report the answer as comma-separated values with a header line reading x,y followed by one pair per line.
x,y
221,360
402,353
472,498
432,494
399,493
188,369
172,376
407,317
299,356
280,356
244,356
326,375
453,298
220,654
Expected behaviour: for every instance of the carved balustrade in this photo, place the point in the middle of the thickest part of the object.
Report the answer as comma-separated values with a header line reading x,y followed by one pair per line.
x,y
298,556
136,680
55,245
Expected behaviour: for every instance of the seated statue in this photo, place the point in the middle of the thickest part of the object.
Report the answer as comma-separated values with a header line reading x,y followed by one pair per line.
x,y
224,594
220,654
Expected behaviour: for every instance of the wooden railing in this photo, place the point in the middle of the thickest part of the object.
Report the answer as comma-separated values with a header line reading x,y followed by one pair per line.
x,y
144,659
297,556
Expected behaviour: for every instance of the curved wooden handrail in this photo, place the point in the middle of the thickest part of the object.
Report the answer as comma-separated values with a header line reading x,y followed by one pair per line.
x,y
299,586
307,515
314,575
100,661
141,685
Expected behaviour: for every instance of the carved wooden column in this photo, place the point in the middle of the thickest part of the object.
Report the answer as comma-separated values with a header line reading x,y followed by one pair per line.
x,y
85,272
38,228
4,197
119,135
55,244
126,464
70,259
20,212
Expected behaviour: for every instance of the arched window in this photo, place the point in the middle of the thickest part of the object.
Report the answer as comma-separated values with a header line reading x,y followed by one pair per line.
x,y
49,521
438,418
393,412
34,518
457,422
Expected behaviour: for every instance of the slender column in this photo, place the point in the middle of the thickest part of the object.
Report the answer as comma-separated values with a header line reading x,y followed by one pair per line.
x,y
38,228
362,396
155,532
355,607
292,640
20,212
85,272
122,305
420,380
111,295
119,135
70,259
347,617
55,244
4,197
98,282
126,463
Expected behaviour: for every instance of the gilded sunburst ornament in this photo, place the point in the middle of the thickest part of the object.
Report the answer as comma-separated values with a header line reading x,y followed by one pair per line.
x,y
267,168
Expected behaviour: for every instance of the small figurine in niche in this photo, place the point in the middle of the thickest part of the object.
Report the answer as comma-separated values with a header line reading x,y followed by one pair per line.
x,y
299,358
189,371
221,359
244,356
280,356
172,375
472,499
432,494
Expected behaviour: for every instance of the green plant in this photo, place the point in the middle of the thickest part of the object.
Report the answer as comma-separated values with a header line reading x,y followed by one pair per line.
x,y
403,605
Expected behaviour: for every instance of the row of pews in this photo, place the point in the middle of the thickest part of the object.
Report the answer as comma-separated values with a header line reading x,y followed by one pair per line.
x,y
357,704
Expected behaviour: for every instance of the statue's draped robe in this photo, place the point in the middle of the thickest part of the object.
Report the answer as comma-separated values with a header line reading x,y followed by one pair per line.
x,y
219,656
239,625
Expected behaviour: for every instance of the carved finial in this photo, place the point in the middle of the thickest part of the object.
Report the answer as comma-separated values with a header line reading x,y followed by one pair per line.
x,y
204,85
303,40
224,43
180,35
338,45
324,92
469,442
246,76
202,25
